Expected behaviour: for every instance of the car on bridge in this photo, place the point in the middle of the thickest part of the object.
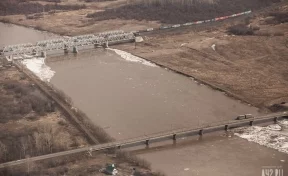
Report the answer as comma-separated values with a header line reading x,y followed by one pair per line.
x,y
246,116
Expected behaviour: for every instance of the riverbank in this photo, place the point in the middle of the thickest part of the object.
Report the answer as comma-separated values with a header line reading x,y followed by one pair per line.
x,y
29,118
251,68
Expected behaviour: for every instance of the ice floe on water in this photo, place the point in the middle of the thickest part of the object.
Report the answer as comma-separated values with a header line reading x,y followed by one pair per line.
x,y
129,57
39,68
273,136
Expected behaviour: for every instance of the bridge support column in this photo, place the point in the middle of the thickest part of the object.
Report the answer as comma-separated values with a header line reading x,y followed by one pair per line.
x,y
251,123
106,45
34,52
147,142
275,119
226,127
75,50
174,137
201,132
66,50
10,58
43,54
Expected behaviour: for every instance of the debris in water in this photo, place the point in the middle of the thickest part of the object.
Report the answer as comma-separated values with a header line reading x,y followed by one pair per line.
x,y
271,136
132,58
213,47
139,39
39,68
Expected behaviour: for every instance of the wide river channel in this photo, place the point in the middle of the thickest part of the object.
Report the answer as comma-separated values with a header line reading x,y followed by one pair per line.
x,y
130,99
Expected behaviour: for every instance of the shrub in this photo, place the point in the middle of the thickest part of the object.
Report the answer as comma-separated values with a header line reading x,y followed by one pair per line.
x,y
280,17
98,0
62,123
178,11
240,29
127,156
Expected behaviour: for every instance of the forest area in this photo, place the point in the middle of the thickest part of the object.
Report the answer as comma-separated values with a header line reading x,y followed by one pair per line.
x,y
179,11
14,7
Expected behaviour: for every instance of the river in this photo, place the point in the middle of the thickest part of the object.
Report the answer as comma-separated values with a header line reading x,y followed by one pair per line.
x,y
130,99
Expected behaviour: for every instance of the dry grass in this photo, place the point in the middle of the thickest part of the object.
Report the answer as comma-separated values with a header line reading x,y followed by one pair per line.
x,y
240,29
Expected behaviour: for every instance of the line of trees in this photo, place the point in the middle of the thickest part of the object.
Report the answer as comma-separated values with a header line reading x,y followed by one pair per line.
x,y
43,140
179,11
169,2
13,7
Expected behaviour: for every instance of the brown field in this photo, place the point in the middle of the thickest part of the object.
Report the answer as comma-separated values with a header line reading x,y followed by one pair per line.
x,y
251,67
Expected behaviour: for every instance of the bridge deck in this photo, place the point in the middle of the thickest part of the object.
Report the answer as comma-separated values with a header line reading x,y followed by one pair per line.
x,y
65,43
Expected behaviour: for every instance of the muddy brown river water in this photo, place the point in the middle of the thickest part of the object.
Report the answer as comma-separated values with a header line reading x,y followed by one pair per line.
x,y
131,99
11,34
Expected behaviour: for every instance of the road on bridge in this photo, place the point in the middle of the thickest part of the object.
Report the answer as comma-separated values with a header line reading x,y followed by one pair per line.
x,y
157,137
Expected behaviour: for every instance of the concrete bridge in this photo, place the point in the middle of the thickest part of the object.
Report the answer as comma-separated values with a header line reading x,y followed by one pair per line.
x,y
158,137
66,44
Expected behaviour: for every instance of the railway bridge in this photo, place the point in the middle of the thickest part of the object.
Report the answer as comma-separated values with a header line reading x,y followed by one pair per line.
x,y
66,43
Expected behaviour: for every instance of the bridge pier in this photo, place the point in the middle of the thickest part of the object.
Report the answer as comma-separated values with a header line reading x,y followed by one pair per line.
x,y
226,127
34,52
147,143
251,123
43,54
275,119
10,57
106,45
174,137
75,50
66,50
201,132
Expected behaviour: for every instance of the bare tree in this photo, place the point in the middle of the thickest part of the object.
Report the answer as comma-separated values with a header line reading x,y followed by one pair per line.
x,y
24,146
3,151
44,139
